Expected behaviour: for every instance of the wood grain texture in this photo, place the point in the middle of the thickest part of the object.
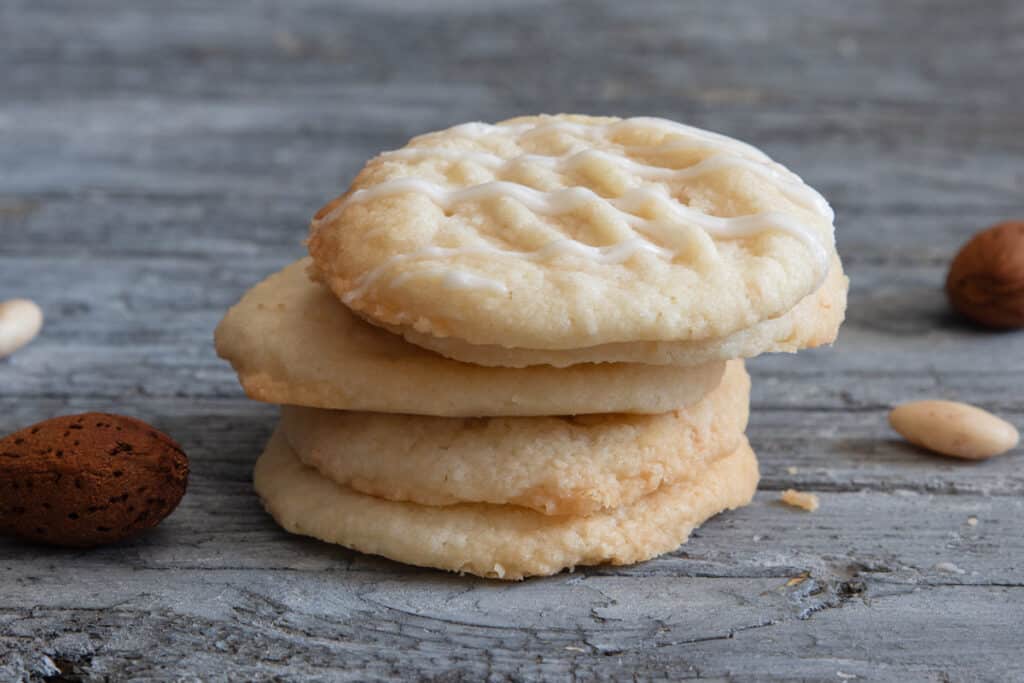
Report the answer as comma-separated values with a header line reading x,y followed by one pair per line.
x,y
159,158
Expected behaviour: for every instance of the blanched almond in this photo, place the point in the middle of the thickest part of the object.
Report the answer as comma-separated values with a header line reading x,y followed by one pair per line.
x,y
20,322
956,429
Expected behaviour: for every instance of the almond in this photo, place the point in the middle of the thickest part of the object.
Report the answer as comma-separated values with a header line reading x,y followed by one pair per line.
x,y
955,429
90,479
986,279
20,322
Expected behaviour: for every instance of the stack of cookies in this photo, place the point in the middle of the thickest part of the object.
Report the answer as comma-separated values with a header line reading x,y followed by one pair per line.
x,y
517,348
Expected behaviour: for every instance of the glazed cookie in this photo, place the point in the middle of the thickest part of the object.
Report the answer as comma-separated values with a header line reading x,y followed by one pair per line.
x,y
496,541
813,322
291,341
555,465
567,232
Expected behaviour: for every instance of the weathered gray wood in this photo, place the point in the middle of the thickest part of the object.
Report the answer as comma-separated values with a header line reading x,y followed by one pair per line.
x,y
158,159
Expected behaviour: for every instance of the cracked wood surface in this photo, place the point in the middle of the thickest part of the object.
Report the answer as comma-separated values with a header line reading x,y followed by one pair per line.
x,y
160,158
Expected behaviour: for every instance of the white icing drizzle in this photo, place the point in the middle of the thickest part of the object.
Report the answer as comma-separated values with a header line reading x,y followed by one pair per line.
x,y
570,199
741,151
524,131
460,279
659,209
453,279
790,185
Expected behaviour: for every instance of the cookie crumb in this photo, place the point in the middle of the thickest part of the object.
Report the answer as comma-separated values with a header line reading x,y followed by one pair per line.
x,y
798,579
792,470
972,521
807,501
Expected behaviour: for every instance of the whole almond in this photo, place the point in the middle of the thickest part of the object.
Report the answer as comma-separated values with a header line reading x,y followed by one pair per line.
x,y
986,279
956,429
20,322
85,480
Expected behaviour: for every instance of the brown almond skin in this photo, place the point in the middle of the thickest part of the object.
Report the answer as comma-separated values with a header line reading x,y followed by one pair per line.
x,y
986,279
87,480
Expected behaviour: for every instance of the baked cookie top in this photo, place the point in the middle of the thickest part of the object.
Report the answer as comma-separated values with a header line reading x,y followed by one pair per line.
x,y
562,232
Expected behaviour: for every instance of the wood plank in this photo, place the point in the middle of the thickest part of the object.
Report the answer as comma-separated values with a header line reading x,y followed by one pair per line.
x,y
299,624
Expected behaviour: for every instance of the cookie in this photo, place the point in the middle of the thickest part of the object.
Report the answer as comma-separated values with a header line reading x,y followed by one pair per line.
x,y
566,232
291,341
813,322
496,541
555,465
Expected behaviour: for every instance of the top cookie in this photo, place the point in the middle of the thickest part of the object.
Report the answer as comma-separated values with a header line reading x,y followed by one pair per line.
x,y
564,232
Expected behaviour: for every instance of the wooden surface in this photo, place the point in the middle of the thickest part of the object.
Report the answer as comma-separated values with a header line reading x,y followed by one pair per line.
x,y
158,158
